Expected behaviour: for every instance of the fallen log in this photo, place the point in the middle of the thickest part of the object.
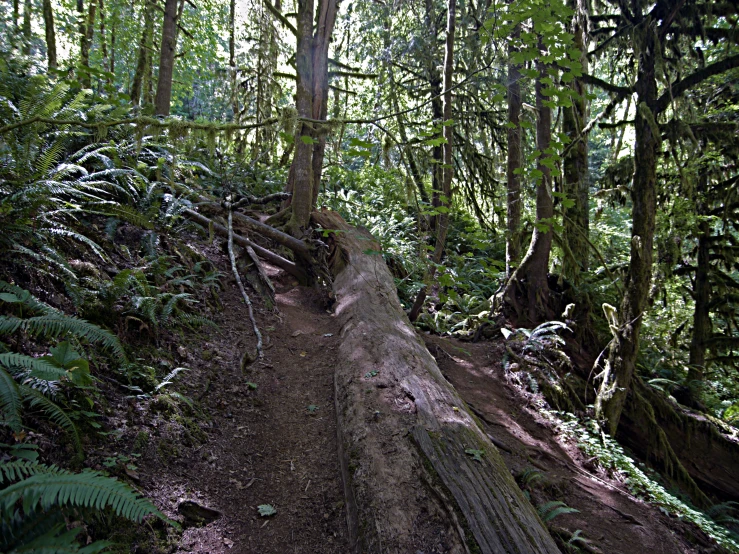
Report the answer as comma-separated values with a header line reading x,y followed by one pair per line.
x,y
419,473
705,455
275,259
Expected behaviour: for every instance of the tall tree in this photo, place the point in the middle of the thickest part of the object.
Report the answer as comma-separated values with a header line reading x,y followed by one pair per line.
x,y
143,64
445,198
172,14
50,35
87,33
650,32
513,161
311,62
26,29
575,165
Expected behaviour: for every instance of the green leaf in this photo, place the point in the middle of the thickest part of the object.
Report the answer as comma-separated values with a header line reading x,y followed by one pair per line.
x,y
475,454
266,510
308,139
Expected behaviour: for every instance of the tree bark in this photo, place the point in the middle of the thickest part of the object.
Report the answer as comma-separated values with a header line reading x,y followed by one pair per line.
x,y
702,325
232,61
87,30
576,176
535,265
103,43
50,35
625,346
513,161
410,480
445,199
166,59
311,102
26,29
143,64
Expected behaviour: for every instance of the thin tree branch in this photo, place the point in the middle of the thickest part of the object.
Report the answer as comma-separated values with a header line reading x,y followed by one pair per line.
x,y
605,85
282,19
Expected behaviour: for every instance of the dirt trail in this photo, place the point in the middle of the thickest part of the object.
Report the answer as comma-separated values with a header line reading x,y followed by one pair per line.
x,y
275,444
611,518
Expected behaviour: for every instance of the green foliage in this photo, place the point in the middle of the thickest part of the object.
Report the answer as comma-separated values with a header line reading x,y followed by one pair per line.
x,y
34,381
549,510
48,495
612,457
266,510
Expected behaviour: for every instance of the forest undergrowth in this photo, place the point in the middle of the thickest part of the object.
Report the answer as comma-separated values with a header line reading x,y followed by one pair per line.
x,y
102,286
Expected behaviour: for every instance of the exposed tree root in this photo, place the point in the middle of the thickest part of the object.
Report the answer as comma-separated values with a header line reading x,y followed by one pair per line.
x,y
259,354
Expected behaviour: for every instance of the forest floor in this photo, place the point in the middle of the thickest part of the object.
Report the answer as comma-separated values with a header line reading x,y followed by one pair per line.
x,y
268,436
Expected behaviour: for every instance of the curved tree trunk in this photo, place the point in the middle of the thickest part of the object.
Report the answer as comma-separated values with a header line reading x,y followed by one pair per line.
x,y
419,473
531,275
625,347
576,178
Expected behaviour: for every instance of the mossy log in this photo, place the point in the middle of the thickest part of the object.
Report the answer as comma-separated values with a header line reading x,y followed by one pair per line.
x,y
706,455
420,474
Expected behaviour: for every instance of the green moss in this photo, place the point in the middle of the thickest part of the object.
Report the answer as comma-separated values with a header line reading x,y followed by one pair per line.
x,y
167,450
140,442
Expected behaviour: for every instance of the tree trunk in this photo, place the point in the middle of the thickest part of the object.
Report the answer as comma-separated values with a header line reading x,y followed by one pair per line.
x,y
445,199
166,59
535,265
103,44
143,65
232,61
311,101
576,180
322,40
88,33
702,325
112,47
437,108
26,29
625,346
513,162
419,474
16,15
50,35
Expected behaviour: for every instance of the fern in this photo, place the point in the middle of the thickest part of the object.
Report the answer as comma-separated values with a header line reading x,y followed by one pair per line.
x,y
57,324
56,414
550,510
20,469
36,366
169,378
59,540
88,489
10,401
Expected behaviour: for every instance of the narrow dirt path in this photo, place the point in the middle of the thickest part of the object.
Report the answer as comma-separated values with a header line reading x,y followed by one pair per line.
x,y
609,516
274,444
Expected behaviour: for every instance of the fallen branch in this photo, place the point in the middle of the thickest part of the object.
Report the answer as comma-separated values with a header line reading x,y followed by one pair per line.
x,y
247,359
301,249
263,200
290,267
